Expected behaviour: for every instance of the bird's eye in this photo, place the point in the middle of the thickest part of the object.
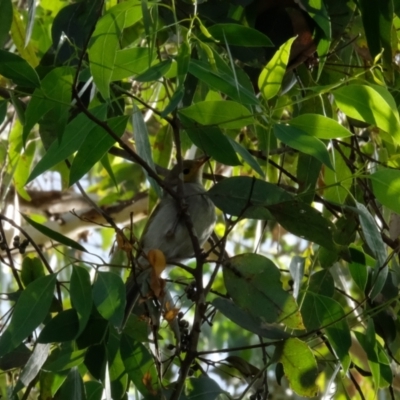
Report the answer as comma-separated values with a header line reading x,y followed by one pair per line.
x,y
186,171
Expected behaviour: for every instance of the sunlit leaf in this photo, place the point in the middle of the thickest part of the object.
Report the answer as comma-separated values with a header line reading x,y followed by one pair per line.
x,y
270,79
300,367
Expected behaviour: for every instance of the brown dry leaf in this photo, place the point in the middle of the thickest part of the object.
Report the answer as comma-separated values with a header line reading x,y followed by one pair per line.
x,y
146,380
170,312
122,242
158,263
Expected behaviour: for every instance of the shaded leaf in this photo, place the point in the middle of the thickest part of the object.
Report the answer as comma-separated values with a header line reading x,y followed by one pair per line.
x,y
247,197
304,221
72,387
94,147
358,268
253,282
248,321
223,82
16,358
143,147
202,388
239,35
75,134
30,311
247,157
81,295
62,328
299,140
6,17
109,297
155,72
212,141
17,69
58,237
32,268
54,95
225,113
374,241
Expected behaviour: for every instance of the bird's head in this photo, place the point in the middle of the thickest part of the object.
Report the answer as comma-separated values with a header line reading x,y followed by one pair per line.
x,y
191,171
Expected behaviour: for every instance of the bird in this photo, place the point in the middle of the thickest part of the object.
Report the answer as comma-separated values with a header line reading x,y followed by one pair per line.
x,y
166,228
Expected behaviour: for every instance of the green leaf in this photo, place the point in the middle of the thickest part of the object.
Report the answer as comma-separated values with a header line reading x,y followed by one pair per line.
x,y
321,282
143,147
16,68
6,17
3,108
155,72
300,140
32,269
66,361
109,297
81,295
62,328
358,268
94,390
30,311
386,188
131,62
366,104
72,387
308,173
58,237
271,77
339,181
374,241
221,81
202,388
212,141
247,157
247,197
75,134
139,365
248,321
253,282
94,147
105,42
54,95
239,35
300,367
304,221
225,113
16,358
319,126
321,311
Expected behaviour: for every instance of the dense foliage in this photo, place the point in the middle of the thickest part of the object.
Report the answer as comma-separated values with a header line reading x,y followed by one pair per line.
x,y
296,103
